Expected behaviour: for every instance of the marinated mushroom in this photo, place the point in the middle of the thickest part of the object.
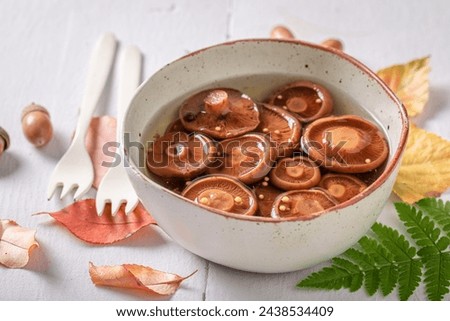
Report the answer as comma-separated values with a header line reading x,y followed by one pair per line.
x,y
248,158
284,129
345,144
180,155
341,186
266,194
220,113
281,32
333,43
304,203
295,173
306,100
222,193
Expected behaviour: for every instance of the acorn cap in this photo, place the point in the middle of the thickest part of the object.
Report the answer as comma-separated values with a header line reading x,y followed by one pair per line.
x,y
4,135
33,107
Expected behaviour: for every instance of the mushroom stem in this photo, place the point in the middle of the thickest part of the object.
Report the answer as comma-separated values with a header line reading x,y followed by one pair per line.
x,y
295,171
218,199
217,102
336,190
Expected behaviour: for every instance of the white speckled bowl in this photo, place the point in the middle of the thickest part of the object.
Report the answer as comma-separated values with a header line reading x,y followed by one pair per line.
x,y
257,67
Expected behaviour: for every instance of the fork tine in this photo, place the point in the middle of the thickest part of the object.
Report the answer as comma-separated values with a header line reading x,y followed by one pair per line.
x,y
100,206
115,206
51,189
131,205
66,189
81,191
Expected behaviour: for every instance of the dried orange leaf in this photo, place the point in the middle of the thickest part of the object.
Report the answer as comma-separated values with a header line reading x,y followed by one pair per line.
x,y
82,220
425,169
102,130
133,276
410,83
16,244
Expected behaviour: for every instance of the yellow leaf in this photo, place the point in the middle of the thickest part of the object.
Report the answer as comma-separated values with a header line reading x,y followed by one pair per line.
x,y
410,83
425,169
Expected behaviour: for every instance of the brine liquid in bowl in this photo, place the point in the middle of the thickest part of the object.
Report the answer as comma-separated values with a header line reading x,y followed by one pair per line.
x,y
258,87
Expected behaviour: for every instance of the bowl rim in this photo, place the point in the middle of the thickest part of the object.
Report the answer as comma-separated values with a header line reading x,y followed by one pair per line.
x,y
390,166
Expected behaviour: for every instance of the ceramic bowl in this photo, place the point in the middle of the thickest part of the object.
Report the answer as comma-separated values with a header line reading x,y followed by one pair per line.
x,y
257,67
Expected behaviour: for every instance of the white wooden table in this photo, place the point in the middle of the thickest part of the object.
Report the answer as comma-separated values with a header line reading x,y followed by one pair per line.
x,y
45,46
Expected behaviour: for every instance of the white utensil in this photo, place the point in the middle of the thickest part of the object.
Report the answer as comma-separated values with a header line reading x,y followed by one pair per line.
x,y
115,187
74,169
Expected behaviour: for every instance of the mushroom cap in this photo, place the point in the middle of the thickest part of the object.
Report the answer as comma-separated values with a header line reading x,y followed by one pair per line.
x,y
180,155
345,144
306,100
175,126
222,192
305,204
265,194
295,173
248,158
283,128
220,113
342,186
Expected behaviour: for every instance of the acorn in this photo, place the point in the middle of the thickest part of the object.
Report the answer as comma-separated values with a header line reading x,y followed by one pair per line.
x,y
4,140
36,125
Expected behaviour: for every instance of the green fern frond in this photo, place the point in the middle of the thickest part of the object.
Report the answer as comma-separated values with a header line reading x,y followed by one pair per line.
x,y
377,251
409,274
438,210
389,260
388,273
428,237
355,281
420,227
409,270
394,242
331,278
367,265
437,276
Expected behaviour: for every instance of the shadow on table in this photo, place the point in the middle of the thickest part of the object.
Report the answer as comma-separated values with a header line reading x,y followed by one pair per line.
x,y
9,163
149,236
438,101
55,148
